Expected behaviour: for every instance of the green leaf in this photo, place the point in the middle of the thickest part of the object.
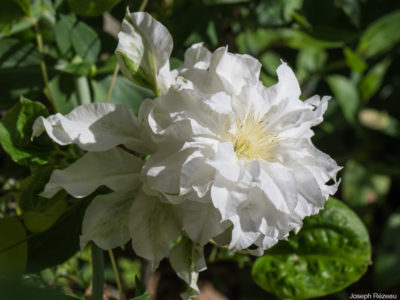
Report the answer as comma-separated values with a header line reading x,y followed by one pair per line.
x,y
381,35
331,251
16,131
386,271
270,62
256,41
91,8
372,81
140,291
310,61
351,9
62,32
63,89
345,92
62,238
85,41
11,11
19,71
354,61
18,290
124,92
83,68
13,250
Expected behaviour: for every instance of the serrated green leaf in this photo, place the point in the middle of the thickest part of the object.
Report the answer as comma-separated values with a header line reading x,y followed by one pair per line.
x,y
13,250
346,93
91,8
85,41
380,35
16,131
83,68
331,251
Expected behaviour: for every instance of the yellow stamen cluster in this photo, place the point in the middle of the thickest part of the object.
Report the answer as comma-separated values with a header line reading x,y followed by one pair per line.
x,y
252,140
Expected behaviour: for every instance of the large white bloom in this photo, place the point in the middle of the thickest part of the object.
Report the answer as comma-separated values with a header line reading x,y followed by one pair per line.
x,y
242,150
229,158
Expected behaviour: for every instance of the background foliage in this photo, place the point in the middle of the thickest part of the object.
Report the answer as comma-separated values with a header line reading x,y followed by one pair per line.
x,y
345,48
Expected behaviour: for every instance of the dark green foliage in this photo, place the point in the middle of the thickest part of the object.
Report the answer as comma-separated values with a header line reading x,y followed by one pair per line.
x,y
16,132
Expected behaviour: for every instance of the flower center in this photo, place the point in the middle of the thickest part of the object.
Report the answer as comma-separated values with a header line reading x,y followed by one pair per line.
x,y
252,140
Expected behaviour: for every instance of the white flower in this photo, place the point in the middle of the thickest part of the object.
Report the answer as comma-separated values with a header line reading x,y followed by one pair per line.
x,y
143,52
239,149
111,220
229,158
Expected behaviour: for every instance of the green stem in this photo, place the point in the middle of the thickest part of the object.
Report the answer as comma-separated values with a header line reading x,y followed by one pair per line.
x,y
83,90
143,5
39,41
112,83
98,272
117,278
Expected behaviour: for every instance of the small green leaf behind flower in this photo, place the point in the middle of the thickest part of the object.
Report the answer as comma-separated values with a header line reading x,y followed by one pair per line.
x,y
16,131
331,251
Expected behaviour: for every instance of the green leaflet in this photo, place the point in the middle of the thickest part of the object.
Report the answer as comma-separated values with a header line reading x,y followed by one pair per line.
x,y
16,131
13,250
331,251
380,35
345,92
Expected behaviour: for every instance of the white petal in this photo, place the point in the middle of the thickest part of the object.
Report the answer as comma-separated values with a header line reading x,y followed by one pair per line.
x,y
153,226
143,51
116,169
287,86
93,127
187,260
225,163
201,221
197,56
106,220
238,70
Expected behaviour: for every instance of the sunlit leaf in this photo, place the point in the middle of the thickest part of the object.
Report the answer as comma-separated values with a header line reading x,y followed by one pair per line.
x,y
16,131
331,251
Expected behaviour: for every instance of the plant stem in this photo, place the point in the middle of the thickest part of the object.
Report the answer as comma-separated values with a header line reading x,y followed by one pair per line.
x,y
39,41
117,278
143,5
83,90
98,272
112,83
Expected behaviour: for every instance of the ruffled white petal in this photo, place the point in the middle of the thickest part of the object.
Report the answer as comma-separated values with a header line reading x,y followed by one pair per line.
x,y
153,226
94,127
106,220
143,51
115,168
